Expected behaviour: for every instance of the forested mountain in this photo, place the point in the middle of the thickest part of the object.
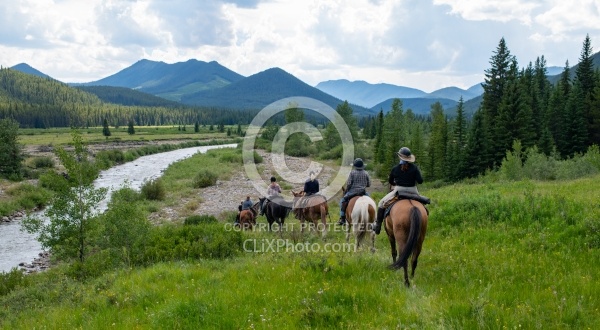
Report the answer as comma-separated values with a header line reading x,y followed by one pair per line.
x,y
44,102
366,94
261,89
170,81
418,105
26,68
128,96
452,93
595,59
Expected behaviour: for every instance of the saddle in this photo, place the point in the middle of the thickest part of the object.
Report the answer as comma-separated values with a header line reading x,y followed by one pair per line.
x,y
345,203
303,204
400,195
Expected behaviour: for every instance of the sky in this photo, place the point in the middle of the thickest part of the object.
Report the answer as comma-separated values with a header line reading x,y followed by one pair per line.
x,y
424,44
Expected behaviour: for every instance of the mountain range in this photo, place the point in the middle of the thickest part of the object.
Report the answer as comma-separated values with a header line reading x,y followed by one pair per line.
x,y
211,84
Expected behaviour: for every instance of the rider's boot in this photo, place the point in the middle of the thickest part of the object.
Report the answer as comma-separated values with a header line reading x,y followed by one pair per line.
x,y
379,221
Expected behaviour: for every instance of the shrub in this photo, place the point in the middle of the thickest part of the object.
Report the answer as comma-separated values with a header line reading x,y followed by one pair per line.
x,y
205,178
172,243
153,190
257,158
54,181
199,219
539,166
12,280
43,162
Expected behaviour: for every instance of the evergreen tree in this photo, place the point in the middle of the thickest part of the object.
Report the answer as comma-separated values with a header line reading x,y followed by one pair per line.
x,y
584,76
130,128
436,151
577,133
476,161
379,149
10,151
196,127
105,129
393,137
493,91
457,145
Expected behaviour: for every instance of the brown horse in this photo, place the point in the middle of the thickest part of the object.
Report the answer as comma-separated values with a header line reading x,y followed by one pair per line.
x,y
360,215
311,208
406,226
248,217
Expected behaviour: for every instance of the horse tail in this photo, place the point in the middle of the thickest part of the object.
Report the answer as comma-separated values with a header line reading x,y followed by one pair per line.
x,y
413,237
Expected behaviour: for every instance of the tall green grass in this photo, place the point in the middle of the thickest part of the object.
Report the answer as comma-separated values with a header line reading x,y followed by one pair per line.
x,y
520,255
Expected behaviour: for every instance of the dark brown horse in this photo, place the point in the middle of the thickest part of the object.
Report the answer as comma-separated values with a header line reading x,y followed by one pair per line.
x,y
248,217
311,208
406,226
276,211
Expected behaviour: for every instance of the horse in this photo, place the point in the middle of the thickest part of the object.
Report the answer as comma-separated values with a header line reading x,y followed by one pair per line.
x,y
311,208
360,214
275,211
406,225
248,217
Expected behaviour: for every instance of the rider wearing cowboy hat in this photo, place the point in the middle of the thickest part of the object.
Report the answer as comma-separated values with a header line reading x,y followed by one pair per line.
x,y
357,182
403,177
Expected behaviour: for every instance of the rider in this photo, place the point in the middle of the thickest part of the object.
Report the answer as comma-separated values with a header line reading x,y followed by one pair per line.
x,y
356,184
273,191
403,177
311,186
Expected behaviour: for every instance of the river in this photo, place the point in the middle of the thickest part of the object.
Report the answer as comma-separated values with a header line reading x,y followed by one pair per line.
x,y
17,246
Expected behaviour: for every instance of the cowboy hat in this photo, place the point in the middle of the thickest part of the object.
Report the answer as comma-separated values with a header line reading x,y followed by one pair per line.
x,y
358,164
405,154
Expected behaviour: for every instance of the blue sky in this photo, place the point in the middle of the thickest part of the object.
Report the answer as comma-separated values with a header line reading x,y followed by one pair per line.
x,y
425,44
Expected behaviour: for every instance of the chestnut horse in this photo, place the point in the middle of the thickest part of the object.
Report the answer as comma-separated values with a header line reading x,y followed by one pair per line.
x,y
406,226
248,217
360,215
311,208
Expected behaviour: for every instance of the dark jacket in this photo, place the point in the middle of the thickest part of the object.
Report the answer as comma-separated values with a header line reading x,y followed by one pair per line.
x,y
410,178
311,187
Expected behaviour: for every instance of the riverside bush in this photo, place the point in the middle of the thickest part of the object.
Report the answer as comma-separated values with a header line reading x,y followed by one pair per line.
x,y
199,219
205,178
12,280
153,190
43,162
171,243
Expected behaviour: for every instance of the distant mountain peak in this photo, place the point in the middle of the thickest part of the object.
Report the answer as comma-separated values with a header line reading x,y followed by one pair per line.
x,y
26,68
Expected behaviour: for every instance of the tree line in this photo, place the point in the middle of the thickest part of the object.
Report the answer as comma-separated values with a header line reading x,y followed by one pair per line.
x,y
519,104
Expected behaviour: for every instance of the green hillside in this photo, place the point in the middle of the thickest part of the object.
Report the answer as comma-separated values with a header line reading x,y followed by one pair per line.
x,y
127,96
37,102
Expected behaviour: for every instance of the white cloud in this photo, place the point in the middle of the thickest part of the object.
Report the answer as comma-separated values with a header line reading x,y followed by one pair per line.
x,y
425,44
497,10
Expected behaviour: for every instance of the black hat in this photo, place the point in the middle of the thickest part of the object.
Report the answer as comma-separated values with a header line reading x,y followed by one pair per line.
x,y
358,164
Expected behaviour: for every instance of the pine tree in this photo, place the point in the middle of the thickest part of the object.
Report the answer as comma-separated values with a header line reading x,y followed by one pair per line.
x,y
584,76
105,129
130,128
476,163
493,91
10,151
196,127
436,151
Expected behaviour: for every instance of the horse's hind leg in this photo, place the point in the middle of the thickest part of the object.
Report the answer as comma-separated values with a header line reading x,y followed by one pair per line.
x,y
406,281
393,246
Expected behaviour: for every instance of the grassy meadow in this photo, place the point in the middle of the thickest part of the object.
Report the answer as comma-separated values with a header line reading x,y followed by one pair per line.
x,y
61,136
498,255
